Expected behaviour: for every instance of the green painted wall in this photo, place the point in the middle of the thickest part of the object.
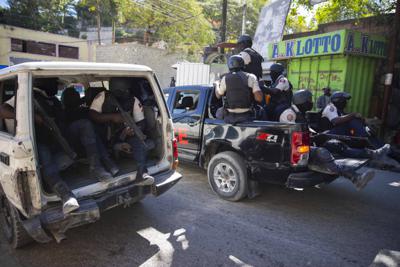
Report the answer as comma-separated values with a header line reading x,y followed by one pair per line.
x,y
353,74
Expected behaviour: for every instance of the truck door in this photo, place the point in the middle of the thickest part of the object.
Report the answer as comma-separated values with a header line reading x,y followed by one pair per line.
x,y
186,115
18,178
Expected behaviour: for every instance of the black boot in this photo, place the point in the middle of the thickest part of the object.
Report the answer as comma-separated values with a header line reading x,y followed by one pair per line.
x,y
98,170
67,197
360,180
379,153
110,165
143,178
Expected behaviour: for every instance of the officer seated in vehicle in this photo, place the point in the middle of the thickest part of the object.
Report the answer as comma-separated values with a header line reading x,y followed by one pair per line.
x,y
104,112
51,158
336,121
81,132
241,90
321,158
280,93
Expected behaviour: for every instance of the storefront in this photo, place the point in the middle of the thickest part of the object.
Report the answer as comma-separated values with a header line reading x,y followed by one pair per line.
x,y
342,60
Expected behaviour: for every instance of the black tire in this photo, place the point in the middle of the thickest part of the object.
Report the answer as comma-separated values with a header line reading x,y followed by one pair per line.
x,y
11,224
234,167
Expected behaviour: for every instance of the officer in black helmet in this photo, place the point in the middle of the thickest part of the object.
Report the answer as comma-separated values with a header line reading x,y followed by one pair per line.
x,y
240,89
321,158
280,92
103,111
338,122
252,59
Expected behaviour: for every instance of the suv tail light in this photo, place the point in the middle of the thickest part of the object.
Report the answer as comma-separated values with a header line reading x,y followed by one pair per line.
x,y
175,153
300,148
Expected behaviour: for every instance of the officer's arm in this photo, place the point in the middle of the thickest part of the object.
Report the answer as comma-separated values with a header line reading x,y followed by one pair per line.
x,y
255,87
258,96
7,111
220,88
345,118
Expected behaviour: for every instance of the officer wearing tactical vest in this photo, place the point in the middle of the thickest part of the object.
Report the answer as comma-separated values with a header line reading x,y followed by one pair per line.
x,y
103,111
241,89
280,92
252,59
321,159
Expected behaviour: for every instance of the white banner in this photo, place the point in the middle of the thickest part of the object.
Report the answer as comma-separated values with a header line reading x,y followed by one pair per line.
x,y
271,25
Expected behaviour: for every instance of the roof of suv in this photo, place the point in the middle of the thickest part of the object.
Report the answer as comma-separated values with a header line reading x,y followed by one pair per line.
x,y
63,65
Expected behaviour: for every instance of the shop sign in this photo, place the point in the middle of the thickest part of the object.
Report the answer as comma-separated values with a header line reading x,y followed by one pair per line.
x,y
337,42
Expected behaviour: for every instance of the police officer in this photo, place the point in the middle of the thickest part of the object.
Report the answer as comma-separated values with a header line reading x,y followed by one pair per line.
x,y
103,111
321,159
241,89
51,158
252,59
81,132
280,92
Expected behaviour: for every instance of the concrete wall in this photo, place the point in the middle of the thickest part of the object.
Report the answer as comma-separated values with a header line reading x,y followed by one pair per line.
x,y
133,53
86,52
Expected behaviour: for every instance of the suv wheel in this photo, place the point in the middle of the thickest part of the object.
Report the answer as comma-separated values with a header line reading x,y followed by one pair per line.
x,y
11,224
227,176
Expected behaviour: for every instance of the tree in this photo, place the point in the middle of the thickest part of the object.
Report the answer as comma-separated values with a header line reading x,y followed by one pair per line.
x,y
45,15
335,10
212,11
180,23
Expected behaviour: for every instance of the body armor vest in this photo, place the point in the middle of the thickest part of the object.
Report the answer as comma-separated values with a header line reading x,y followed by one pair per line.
x,y
238,93
254,66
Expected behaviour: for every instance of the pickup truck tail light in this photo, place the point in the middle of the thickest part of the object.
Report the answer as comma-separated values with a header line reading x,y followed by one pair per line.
x,y
300,148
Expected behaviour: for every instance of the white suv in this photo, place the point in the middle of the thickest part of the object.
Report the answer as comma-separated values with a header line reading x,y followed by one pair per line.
x,y
29,210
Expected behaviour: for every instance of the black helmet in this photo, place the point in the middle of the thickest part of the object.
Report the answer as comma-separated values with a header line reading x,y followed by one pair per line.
x,y
246,40
235,63
340,97
277,68
301,97
71,98
120,86
48,85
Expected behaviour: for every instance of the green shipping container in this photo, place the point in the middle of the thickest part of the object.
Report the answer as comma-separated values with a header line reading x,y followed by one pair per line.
x,y
342,60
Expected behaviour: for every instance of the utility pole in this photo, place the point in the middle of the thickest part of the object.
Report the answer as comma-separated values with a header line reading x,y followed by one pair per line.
x,y
391,63
224,14
244,17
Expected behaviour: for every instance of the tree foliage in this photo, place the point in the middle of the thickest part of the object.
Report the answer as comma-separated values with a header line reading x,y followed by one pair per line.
x,y
334,10
54,16
213,13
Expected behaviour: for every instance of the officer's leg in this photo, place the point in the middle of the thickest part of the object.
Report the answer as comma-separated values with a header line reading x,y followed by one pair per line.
x,y
83,130
105,157
342,129
357,127
139,154
52,178
321,160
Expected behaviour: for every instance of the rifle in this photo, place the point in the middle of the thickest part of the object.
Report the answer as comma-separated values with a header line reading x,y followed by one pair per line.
x,y
129,121
55,131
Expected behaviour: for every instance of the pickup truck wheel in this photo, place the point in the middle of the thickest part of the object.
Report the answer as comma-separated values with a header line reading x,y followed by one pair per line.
x,y
11,224
227,176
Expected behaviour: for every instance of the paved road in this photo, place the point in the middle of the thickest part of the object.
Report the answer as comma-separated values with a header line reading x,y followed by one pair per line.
x,y
190,226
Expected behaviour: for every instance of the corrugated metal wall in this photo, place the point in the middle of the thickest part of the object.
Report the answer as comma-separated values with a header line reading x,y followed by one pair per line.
x,y
359,83
192,74
353,74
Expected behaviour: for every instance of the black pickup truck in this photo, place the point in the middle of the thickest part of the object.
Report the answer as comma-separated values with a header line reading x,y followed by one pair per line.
x,y
237,157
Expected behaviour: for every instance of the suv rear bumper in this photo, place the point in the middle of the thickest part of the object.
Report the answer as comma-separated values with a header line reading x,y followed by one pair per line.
x,y
308,179
54,221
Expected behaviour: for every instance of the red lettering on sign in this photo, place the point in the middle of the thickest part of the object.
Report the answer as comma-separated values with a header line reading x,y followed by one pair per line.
x,y
181,135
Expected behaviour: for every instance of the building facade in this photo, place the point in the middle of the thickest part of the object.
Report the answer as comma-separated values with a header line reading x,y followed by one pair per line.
x,y
18,45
